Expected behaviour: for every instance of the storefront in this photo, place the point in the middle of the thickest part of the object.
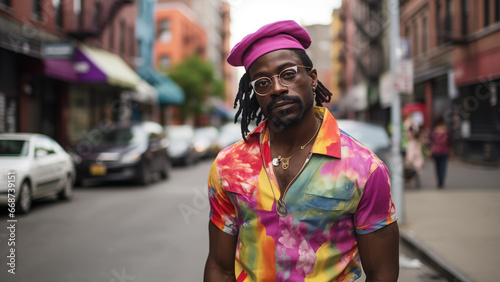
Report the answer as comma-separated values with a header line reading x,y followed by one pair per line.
x,y
477,111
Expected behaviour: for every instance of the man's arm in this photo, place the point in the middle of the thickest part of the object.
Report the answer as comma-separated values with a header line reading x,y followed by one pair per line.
x,y
379,253
221,255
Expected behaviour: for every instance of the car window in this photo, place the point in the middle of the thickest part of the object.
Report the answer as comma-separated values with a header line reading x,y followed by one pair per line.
x,y
371,136
119,136
14,148
44,144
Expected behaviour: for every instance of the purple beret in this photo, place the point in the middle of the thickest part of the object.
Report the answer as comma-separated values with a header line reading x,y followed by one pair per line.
x,y
271,37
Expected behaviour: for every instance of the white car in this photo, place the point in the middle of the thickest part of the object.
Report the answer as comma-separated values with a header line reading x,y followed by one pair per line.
x,y
33,166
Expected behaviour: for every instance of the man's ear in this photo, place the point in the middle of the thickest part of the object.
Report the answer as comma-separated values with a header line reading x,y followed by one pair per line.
x,y
313,77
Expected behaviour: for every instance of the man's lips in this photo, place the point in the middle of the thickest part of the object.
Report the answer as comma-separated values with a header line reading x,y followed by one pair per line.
x,y
282,105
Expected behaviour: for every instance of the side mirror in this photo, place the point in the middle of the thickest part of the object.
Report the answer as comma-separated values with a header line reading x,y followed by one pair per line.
x,y
41,153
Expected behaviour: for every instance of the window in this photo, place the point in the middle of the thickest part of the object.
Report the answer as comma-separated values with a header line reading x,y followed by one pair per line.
x,y
59,13
5,3
111,38
79,12
448,21
438,23
131,40
486,13
164,62
122,37
497,10
97,14
465,17
415,39
37,9
164,33
424,35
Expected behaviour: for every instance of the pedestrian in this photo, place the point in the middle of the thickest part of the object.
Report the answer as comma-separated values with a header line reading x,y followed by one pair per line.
x,y
414,158
441,150
298,198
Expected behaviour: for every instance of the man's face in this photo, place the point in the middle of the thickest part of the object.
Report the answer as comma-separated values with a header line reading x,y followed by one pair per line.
x,y
284,106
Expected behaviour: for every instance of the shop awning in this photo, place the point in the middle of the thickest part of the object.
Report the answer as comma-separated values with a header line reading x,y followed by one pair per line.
x,y
146,93
61,69
97,65
169,93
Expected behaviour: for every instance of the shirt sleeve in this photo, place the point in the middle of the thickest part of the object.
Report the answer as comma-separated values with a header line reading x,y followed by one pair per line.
x,y
222,210
376,208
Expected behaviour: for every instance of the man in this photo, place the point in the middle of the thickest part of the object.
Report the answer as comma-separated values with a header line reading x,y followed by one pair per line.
x,y
297,199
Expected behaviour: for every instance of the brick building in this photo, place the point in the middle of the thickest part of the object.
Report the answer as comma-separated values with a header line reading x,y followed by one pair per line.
x,y
455,49
67,66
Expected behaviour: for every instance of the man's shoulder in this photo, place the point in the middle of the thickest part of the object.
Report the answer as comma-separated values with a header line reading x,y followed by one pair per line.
x,y
353,148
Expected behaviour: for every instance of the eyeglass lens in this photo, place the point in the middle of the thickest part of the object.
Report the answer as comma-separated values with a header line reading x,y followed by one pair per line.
x,y
286,77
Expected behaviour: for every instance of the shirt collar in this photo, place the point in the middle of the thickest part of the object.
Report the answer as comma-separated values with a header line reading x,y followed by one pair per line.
x,y
328,140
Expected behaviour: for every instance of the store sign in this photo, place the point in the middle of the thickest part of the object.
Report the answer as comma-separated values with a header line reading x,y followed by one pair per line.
x,y
18,43
58,50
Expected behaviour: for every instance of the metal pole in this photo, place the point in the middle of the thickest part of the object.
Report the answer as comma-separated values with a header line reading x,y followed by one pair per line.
x,y
396,160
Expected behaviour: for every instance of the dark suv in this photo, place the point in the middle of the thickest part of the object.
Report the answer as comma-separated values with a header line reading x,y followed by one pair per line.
x,y
134,151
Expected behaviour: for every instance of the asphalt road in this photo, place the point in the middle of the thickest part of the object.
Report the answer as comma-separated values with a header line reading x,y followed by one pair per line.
x,y
121,232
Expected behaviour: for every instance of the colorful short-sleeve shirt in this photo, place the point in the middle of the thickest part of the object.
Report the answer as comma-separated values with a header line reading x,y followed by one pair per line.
x,y
344,189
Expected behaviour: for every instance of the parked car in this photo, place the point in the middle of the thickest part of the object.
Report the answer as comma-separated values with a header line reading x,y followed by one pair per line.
x,y
373,136
33,166
205,141
230,133
181,144
134,151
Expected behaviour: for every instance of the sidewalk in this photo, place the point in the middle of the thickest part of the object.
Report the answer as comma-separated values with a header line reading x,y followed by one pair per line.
x,y
456,229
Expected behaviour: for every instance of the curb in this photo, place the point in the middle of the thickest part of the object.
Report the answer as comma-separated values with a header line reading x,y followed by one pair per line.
x,y
450,273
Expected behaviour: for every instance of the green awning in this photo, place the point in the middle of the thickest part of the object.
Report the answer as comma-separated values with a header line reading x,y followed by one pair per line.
x,y
169,93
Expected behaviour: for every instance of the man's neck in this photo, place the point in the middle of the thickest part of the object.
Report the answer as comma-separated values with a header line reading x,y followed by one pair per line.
x,y
291,138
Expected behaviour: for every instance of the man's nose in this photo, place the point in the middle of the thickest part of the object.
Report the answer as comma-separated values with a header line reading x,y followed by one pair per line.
x,y
278,88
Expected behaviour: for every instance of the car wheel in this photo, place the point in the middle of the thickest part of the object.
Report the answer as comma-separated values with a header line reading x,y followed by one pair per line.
x,y
144,175
165,171
24,201
67,192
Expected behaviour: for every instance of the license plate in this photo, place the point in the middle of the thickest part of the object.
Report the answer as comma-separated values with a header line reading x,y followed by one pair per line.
x,y
97,169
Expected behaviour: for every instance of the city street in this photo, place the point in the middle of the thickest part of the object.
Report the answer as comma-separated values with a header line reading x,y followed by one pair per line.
x,y
115,233
120,232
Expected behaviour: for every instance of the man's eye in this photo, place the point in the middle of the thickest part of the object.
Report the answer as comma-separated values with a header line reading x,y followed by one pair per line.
x,y
262,83
288,74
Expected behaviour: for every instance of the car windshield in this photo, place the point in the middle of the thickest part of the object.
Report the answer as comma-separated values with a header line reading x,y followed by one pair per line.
x,y
118,136
14,148
371,136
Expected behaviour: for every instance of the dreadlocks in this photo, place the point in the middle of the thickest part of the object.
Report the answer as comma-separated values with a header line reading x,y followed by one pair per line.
x,y
249,108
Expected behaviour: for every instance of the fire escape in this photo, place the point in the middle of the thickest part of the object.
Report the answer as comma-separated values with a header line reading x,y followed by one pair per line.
x,y
368,40
93,24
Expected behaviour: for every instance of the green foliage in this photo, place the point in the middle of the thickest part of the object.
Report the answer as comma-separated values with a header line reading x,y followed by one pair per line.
x,y
197,78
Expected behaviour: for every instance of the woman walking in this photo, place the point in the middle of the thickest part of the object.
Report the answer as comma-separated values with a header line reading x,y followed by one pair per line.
x,y
441,149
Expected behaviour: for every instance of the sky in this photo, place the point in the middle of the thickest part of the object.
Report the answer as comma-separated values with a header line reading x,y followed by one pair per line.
x,y
249,15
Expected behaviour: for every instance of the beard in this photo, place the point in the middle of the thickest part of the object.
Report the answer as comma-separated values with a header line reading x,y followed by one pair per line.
x,y
280,122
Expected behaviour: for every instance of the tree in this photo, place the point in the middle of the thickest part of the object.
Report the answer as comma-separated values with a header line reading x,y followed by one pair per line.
x,y
197,78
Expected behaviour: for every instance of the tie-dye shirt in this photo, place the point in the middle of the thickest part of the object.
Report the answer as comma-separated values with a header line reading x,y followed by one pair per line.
x,y
344,189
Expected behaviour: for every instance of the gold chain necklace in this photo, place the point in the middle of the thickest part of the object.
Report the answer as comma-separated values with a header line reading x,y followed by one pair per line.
x,y
281,209
285,162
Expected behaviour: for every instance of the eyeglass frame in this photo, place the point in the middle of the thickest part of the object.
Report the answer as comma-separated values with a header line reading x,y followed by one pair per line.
x,y
252,83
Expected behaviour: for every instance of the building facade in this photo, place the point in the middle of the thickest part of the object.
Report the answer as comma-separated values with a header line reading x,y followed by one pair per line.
x,y
67,66
319,52
454,47
168,92
178,35
364,60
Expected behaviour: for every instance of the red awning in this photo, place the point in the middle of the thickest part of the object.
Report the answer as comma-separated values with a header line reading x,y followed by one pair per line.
x,y
413,107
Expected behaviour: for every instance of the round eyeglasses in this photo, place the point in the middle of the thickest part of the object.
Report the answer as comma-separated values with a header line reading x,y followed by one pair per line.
x,y
262,86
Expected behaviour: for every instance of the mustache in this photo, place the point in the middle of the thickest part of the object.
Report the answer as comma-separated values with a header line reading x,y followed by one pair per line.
x,y
280,98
